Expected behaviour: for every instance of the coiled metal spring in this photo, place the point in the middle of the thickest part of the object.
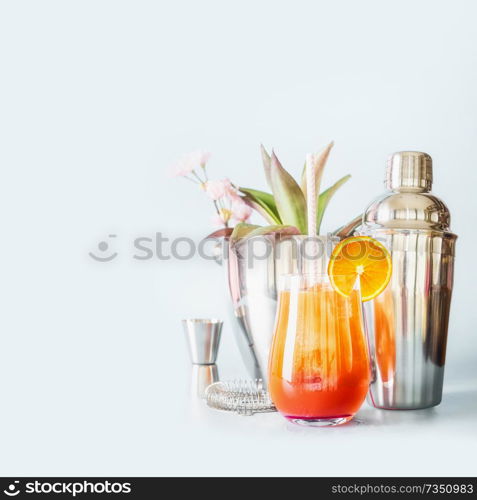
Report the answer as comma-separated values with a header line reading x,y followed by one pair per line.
x,y
244,397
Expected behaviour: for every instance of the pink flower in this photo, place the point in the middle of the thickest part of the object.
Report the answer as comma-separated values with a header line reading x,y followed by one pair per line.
x,y
240,210
215,189
230,191
219,189
217,221
222,218
190,162
201,157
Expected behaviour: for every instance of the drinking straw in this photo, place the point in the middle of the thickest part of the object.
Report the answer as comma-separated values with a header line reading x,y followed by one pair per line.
x,y
311,194
311,205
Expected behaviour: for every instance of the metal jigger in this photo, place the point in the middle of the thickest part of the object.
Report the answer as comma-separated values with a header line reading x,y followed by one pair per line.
x,y
202,376
203,338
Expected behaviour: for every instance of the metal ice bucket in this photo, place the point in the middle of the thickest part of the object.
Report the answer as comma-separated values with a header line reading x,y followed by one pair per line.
x,y
254,268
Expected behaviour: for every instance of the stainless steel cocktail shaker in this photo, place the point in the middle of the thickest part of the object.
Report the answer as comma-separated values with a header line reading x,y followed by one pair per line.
x,y
408,322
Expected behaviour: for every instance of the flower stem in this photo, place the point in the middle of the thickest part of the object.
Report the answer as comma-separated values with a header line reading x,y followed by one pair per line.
x,y
206,178
189,179
216,208
194,173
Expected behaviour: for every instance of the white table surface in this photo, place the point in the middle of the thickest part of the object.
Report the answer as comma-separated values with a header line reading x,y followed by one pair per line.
x,y
105,390
435,442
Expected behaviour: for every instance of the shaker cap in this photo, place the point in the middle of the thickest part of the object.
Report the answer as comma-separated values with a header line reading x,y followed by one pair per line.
x,y
411,170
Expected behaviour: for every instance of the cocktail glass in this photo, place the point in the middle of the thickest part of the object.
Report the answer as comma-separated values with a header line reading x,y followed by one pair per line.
x,y
319,369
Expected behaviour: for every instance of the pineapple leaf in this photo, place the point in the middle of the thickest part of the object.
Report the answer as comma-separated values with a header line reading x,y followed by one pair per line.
x,y
291,204
325,198
263,203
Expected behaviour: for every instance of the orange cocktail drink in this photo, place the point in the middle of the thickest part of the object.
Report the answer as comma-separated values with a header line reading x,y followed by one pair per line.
x,y
319,369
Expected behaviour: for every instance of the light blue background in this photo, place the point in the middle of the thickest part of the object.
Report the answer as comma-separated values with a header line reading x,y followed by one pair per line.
x,y
97,98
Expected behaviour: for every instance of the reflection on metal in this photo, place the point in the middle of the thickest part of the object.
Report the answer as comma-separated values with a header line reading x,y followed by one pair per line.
x,y
201,377
203,339
254,269
408,323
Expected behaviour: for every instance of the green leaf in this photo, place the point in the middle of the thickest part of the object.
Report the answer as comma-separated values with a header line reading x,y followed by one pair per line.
x,y
241,230
244,231
349,228
258,209
225,232
325,198
303,180
276,229
288,197
266,204
267,164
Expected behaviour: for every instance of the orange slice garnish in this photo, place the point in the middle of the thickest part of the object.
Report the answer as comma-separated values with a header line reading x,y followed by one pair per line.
x,y
363,257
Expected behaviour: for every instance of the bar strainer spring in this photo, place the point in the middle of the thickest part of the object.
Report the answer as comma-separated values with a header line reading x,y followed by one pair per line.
x,y
244,397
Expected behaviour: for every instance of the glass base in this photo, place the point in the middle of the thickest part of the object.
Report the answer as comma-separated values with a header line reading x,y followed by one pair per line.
x,y
320,421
